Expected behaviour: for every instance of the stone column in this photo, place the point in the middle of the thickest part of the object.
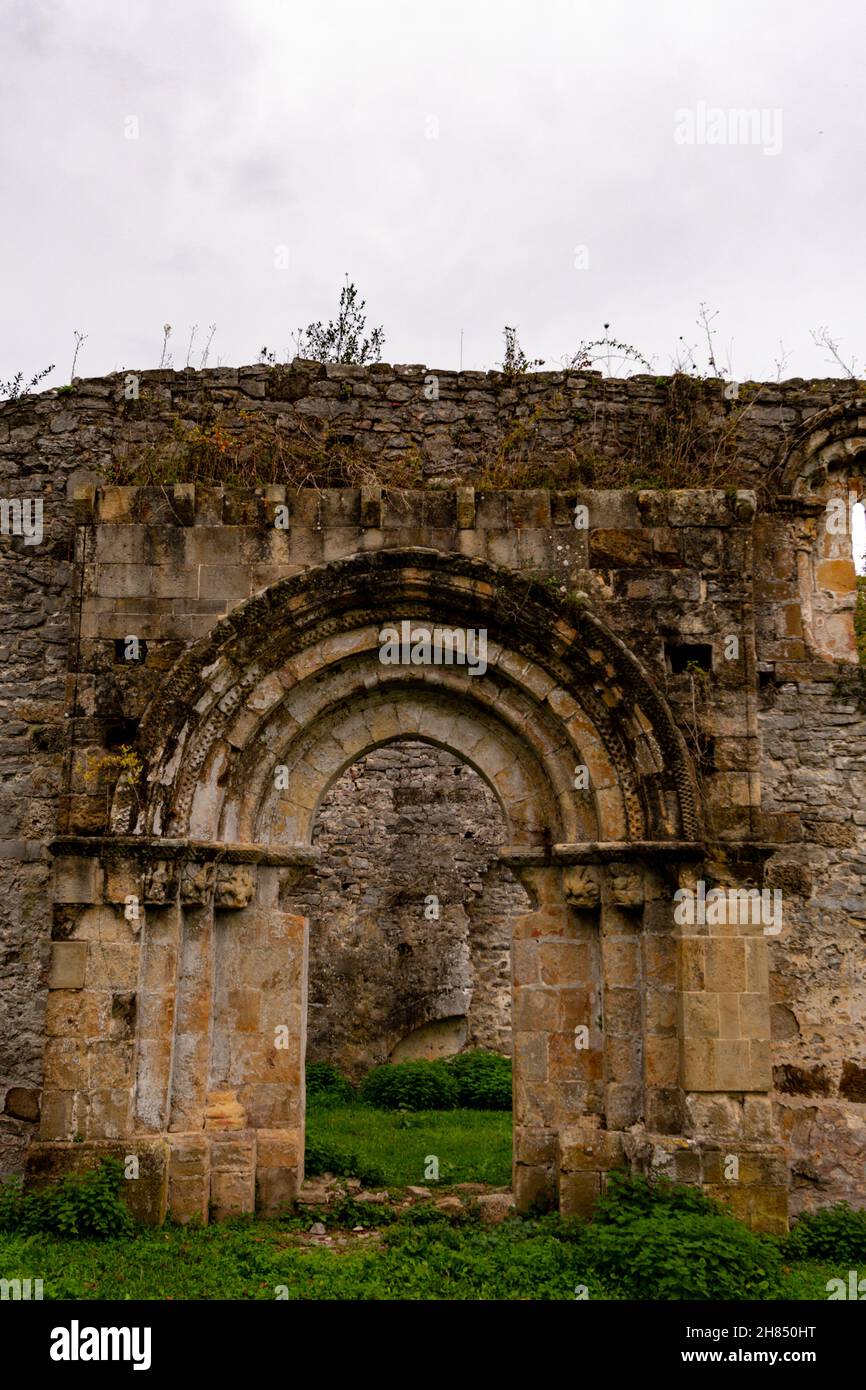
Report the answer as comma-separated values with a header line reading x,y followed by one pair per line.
x,y
622,967
157,1000
260,1021
556,1033
193,1017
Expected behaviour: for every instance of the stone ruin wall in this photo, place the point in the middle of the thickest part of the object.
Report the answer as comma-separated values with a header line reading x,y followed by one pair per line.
x,y
387,980
780,737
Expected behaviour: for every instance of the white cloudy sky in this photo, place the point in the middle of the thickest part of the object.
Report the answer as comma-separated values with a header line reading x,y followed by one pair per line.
x,y
271,123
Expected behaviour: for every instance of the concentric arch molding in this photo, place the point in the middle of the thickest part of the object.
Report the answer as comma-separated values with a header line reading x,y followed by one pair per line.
x,y
285,662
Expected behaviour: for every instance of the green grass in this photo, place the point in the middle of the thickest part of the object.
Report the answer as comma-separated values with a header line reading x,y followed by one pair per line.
x,y
250,1260
471,1145
408,1259
645,1241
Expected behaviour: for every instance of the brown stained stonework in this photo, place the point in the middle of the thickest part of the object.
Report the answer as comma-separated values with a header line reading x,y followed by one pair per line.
x,y
691,652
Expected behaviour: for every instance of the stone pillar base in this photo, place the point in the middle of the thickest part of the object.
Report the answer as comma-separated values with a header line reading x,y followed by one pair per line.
x,y
146,1195
192,1176
750,1179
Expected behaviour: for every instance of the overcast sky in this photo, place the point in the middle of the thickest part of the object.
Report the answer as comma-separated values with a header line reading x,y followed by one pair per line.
x,y
469,164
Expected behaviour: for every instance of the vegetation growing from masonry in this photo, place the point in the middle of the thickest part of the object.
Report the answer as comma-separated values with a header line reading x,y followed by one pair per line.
x,y
17,387
86,1205
515,362
544,434
123,768
692,439
242,449
342,339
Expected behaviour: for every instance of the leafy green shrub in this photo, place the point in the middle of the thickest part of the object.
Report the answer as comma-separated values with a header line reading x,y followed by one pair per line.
x,y
326,1085
683,1255
410,1086
628,1198
664,1241
483,1079
322,1157
10,1203
85,1204
346,1212
833,1233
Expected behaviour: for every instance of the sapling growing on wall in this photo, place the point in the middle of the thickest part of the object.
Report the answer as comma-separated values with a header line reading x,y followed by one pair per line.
x,y
14,389
342,339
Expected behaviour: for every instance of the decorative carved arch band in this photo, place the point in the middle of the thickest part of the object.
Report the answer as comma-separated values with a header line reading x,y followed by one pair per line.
x,y
282,678
830,439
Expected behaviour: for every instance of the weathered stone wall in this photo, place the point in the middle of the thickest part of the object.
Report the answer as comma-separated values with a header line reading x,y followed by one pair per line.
x,y
405,824
813,738
776,730
440,424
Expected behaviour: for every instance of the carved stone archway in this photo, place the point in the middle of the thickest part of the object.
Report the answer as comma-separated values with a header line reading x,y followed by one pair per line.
x,y
246,735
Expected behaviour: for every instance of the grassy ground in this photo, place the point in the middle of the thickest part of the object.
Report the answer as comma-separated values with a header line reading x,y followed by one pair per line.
x,y
268,1259
394,1250
470,1145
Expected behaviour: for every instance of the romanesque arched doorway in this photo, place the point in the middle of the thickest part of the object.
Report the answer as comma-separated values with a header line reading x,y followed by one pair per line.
x,y
251,729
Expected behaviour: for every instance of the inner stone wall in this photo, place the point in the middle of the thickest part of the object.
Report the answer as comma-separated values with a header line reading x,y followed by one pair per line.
x,y
814,770
405,824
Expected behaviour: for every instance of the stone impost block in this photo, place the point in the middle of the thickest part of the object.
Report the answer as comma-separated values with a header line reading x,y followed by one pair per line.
x,y
624,886
235,886
197,883
581,885
160,882
122,880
